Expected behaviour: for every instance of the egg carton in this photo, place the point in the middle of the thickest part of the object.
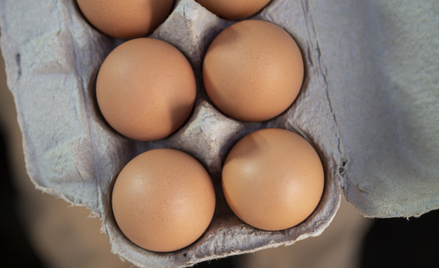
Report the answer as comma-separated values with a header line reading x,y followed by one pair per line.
x,y
369,105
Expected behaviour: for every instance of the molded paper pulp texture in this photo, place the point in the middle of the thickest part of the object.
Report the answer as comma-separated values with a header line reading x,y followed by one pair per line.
x,y
369,105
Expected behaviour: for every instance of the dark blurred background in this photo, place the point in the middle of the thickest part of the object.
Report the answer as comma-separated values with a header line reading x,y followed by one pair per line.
x,y
38,230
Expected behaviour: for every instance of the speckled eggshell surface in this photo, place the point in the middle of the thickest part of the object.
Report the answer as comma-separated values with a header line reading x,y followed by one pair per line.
x,y
253,71
146,89
273,179
163,200
234,9
126,19
369,105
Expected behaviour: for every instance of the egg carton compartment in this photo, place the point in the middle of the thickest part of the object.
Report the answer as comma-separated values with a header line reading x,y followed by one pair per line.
x,y
360,124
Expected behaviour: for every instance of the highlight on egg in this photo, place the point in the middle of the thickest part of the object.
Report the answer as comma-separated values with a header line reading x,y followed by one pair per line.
x,y
253,71
146,89
273,179
163,200
126,19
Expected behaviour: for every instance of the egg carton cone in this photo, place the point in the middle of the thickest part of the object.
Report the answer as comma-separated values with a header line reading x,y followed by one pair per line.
x,y
369,105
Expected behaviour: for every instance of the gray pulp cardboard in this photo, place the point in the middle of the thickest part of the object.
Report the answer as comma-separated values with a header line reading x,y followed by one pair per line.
x,y
369,105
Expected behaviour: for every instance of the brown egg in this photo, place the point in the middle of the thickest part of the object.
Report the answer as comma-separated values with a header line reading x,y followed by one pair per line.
x,y
234,9
163,200
253,71
146,89
126,19
273,179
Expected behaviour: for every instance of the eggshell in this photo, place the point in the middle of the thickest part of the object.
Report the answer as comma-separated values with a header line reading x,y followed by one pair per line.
x,y
126,19
253,71
273,179
234,9
163,200
146,89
